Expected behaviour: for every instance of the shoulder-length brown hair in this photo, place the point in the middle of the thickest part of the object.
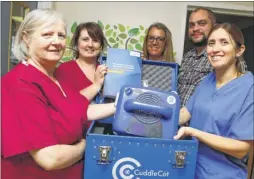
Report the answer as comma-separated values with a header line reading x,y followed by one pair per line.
x,y
93,30
168,49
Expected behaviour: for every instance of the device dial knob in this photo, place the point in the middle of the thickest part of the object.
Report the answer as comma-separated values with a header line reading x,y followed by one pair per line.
x,y
128,91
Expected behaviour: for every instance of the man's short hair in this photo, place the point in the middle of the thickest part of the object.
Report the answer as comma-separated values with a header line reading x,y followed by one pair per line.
x,y
211,15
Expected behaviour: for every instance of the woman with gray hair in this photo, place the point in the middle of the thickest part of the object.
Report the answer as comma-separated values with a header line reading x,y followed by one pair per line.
x,y
42,122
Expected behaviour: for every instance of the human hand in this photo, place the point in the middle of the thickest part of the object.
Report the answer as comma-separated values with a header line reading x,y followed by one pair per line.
x,y
82,141
183,132
100,74
81,144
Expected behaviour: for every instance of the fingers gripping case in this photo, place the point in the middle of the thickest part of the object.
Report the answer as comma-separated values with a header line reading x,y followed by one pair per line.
x,y
123,151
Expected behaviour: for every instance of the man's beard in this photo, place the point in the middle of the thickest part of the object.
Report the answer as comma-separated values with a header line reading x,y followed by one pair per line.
x,y
201,43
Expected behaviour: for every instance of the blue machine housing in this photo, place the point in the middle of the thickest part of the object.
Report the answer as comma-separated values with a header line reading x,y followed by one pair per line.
x,y
112,156
146,112
172,78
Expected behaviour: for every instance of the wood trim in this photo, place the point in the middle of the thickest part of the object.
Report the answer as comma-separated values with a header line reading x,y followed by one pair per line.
x,y
22,4
26,10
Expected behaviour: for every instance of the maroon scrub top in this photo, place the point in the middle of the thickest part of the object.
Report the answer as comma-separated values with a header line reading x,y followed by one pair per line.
x,y
70,74
36,114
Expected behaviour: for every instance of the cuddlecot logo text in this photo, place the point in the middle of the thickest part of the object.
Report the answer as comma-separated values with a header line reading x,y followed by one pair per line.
x,y
130,168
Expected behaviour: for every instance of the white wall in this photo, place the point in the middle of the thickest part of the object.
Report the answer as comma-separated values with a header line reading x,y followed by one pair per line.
x,y
172,14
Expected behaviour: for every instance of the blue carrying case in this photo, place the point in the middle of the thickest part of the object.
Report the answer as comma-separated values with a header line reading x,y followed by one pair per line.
x,y
111,156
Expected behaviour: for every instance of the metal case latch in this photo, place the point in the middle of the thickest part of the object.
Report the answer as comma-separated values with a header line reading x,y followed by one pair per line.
x,y
104,154
180,158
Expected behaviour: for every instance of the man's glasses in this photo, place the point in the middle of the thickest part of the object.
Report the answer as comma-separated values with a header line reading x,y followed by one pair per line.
x,y
158,39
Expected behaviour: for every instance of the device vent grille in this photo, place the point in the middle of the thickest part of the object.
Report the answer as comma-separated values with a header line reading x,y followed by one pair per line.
x,y
148,117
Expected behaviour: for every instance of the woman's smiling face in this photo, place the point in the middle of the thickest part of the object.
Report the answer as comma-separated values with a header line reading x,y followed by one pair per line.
x,y
155,43
47,42
221,49
87,46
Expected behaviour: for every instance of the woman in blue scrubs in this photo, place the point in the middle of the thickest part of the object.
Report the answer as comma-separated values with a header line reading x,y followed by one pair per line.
x,y
221,109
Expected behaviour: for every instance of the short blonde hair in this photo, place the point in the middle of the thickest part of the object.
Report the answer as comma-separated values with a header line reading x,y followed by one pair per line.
x,y
33,20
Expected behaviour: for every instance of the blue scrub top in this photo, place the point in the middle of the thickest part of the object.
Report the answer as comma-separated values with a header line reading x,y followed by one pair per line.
x,y
228,112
